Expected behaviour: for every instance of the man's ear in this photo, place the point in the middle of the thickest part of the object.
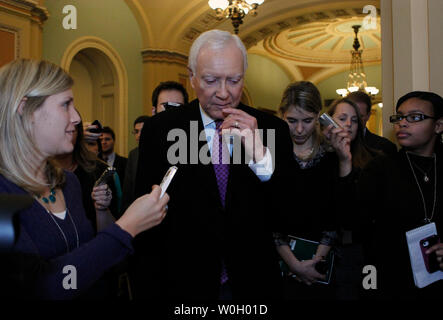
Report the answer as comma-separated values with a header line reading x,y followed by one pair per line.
x,y
153,111
439,126
21,106
191,76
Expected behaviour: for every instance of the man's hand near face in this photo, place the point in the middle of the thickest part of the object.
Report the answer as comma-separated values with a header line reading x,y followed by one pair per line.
x,y
241,124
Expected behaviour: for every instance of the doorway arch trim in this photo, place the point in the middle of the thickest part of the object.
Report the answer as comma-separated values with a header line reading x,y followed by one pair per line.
x,y
121,83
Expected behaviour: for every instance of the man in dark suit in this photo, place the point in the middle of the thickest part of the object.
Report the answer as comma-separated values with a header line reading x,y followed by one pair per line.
x,y
363,101
168,94
131,166
216,240
107,140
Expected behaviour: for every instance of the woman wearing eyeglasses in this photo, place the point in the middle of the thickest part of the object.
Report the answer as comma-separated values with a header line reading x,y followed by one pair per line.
x,y
403,192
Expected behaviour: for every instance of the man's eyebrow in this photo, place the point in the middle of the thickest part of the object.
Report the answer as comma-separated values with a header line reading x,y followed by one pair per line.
x,y
414,111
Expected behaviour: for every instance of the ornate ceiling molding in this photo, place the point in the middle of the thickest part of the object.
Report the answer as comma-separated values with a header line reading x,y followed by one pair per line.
x,y
300,20
166,56
205,22
323,43
30,9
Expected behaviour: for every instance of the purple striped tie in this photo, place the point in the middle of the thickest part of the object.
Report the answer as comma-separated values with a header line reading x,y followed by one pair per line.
x,y
220,161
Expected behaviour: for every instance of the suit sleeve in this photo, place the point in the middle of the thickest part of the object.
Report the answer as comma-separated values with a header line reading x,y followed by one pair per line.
x,y
149,159
278,186
143,159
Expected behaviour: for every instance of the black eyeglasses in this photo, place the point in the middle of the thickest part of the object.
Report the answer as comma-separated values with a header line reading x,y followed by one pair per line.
x,y
171,105
411,118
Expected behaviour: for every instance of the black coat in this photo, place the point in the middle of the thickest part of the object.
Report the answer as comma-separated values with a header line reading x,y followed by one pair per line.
x,y
181,258
379,143
130,177
120,165
391,204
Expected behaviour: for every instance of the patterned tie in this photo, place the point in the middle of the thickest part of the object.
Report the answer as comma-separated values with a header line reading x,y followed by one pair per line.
x,y
220,161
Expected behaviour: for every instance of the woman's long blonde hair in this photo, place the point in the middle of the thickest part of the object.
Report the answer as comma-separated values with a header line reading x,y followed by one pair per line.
x,y
30,82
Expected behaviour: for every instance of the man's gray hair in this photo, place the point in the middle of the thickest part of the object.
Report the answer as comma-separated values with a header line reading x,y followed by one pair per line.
x,y
215,39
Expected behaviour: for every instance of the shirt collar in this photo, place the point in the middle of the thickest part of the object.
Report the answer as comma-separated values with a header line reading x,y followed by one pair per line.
x,y
111,158
207,120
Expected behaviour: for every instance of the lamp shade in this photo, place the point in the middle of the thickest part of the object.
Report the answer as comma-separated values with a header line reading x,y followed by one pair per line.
x,y
372,90
343,92
258,2
215,4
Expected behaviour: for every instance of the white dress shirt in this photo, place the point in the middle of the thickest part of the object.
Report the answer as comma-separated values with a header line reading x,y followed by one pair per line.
x,y
110,159
263,169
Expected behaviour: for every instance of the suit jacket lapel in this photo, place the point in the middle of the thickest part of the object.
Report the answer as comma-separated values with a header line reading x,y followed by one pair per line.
x,y
204,174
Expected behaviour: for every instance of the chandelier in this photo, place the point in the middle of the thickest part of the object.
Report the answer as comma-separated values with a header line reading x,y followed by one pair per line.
x,y
357,75
235,10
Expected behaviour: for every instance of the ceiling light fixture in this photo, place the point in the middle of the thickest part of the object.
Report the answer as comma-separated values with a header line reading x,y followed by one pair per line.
x,y
235,10
357,75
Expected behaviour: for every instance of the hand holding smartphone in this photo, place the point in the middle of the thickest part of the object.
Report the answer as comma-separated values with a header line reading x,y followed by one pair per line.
x,y
431,262
326,120
105,177
99,126
167,179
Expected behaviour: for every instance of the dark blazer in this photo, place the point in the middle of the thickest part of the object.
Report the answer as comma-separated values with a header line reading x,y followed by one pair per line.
x,y
380,143
120,165
181,258
129,182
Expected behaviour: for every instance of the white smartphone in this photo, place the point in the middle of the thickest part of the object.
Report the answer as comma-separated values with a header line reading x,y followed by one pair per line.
x,y
326,120
167,179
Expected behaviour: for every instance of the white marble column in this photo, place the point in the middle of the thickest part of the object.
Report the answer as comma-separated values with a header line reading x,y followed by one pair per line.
x,y
411,51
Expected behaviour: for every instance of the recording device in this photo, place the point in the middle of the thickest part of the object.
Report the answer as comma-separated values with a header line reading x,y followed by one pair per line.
x,y
326,120
430,260
105,177
171,105
167,179
99,128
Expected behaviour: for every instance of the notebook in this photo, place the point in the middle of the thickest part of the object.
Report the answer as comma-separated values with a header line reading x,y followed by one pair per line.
x,y
304,249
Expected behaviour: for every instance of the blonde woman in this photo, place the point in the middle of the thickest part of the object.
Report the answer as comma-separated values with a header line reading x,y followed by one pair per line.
x,y
319,171
37,123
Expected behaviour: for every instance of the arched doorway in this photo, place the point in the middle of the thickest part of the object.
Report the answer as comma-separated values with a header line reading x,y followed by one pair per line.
x,y
100,88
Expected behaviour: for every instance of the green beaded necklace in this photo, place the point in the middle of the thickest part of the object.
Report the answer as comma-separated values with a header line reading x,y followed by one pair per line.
x,y
51,197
